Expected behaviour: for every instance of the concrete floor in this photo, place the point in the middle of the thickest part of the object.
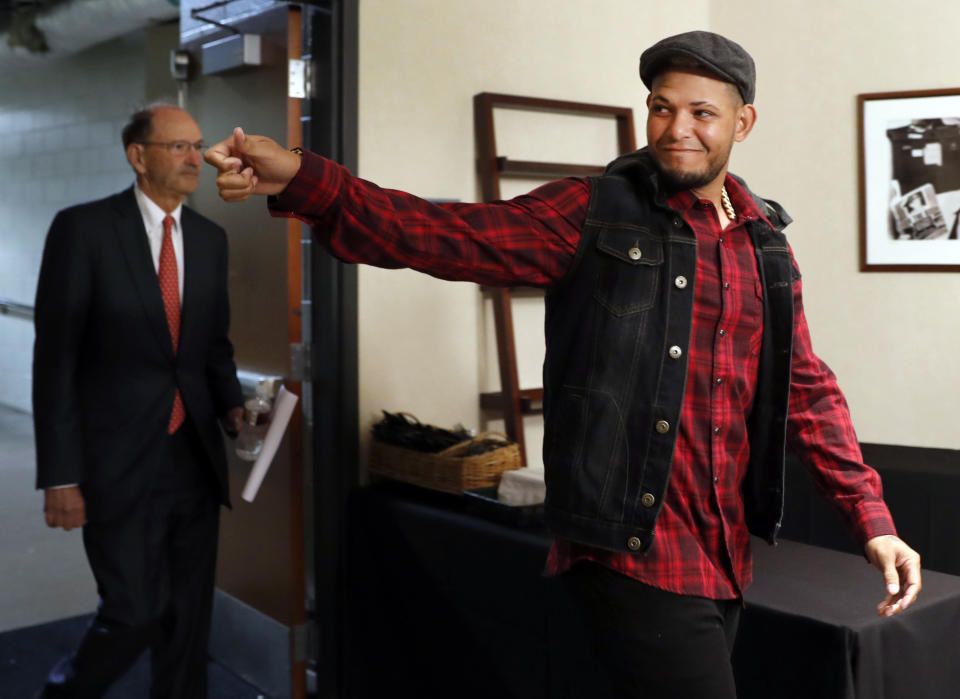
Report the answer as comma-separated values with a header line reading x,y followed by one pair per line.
x,y
43,572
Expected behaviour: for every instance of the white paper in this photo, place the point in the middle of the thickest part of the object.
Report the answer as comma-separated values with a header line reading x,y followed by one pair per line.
x,y
933,154
282,412
522,486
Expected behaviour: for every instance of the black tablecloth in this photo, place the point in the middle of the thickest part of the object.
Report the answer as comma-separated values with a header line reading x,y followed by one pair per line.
x,y
445,604
810,628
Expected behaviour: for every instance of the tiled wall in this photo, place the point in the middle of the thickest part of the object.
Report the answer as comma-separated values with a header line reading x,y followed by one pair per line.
x,y
59,145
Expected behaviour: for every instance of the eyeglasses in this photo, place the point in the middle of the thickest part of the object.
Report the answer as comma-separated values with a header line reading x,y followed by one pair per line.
x,y
176,147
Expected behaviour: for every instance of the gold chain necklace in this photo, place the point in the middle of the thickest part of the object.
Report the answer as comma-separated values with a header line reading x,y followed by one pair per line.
x,y
727,204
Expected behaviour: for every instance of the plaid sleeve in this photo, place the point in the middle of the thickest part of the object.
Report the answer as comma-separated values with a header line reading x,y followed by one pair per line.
x,y
530,240
820,431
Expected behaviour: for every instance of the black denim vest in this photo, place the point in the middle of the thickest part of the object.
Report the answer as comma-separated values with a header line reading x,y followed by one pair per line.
x,y
617,335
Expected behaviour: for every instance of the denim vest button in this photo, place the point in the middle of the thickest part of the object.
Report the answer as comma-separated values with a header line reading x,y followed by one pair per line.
x,y
680,282
633,543
662,426
675,352
634,253
677,221
647,500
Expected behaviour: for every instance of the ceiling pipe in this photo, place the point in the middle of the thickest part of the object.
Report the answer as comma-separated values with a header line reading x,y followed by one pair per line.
x,y
77,25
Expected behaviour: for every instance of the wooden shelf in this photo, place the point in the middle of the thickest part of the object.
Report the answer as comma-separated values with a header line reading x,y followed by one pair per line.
x,y
531,401
533,168
512,401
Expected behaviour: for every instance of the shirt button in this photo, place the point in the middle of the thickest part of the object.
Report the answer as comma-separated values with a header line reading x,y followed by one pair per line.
x,y
716,430
680,282
675,352
662,426
719,380
721,240
647,500
716,479
633,543
722,332
634,253
726,285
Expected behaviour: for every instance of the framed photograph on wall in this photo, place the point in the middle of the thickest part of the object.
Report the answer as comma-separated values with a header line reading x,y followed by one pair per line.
x,y
910,181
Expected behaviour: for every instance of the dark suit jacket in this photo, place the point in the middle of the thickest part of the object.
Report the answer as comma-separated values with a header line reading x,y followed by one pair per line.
x,y
104,369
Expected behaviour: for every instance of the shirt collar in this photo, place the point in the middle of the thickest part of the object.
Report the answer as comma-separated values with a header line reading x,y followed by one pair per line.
x,y
152,214
743,203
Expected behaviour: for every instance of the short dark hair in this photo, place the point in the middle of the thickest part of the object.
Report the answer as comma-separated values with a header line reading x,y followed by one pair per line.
x,y
140,126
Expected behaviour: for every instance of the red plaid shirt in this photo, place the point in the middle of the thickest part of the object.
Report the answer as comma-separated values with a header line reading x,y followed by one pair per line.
x,y
702,546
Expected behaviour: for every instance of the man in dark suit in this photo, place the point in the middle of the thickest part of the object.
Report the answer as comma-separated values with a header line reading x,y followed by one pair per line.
x,y
132,369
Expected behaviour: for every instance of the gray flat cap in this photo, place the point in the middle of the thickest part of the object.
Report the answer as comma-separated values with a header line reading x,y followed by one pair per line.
x,y
717,54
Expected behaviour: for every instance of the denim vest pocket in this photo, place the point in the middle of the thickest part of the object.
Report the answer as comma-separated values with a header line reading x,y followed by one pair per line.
x,y
564,445
586,455
629,270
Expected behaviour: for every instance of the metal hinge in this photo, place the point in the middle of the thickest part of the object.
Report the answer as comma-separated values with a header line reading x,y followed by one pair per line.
x,y
300,74
300,364
304,636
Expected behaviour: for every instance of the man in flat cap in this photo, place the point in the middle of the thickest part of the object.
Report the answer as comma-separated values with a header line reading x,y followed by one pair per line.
x,y
678,362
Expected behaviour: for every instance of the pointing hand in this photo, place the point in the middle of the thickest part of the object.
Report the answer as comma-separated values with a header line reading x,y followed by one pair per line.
x,y
249,164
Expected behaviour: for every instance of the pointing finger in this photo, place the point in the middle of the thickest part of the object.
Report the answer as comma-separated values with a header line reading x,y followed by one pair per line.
x,y
219,156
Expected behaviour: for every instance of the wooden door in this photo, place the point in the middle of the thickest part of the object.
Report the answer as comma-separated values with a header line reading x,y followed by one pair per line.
x,y
260,608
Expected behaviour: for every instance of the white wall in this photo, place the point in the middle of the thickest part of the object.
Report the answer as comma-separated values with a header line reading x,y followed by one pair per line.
x,y
425,344
890,337
60,145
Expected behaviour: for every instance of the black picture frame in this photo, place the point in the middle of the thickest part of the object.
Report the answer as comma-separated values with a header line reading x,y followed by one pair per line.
x,y
909,146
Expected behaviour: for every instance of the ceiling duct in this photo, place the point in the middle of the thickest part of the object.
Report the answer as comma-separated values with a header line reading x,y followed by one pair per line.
x,y
77,25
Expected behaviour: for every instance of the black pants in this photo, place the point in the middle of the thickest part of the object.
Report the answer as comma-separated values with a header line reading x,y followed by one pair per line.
x,y
155,575
616,638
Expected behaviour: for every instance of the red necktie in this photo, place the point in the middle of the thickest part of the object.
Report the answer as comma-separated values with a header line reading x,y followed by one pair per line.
x,y
170,290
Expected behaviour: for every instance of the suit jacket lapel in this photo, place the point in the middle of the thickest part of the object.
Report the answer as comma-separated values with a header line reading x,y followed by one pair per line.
x,y
132,239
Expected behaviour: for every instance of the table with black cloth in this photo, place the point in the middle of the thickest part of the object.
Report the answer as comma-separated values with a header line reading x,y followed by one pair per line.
x,y
921,487
443,603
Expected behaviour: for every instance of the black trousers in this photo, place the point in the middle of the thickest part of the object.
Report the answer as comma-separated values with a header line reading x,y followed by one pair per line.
x,y
613,637
154,570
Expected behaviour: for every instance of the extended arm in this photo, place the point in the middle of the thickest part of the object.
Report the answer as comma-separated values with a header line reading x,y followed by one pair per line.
x,y
529,240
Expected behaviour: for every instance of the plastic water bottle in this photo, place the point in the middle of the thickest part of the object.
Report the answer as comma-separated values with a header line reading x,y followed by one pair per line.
x,y
256,420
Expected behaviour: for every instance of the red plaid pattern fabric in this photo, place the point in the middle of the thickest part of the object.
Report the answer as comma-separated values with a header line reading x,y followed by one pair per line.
x,y
170,290
702,546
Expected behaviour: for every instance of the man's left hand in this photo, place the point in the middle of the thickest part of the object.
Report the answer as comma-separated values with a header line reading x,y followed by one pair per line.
x,y
233,421
900,566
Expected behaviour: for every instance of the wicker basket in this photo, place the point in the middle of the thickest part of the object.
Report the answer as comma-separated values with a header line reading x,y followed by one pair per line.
x,y
448,470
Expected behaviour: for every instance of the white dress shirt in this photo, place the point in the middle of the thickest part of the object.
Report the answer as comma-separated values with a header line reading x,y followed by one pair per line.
x,y
153,217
